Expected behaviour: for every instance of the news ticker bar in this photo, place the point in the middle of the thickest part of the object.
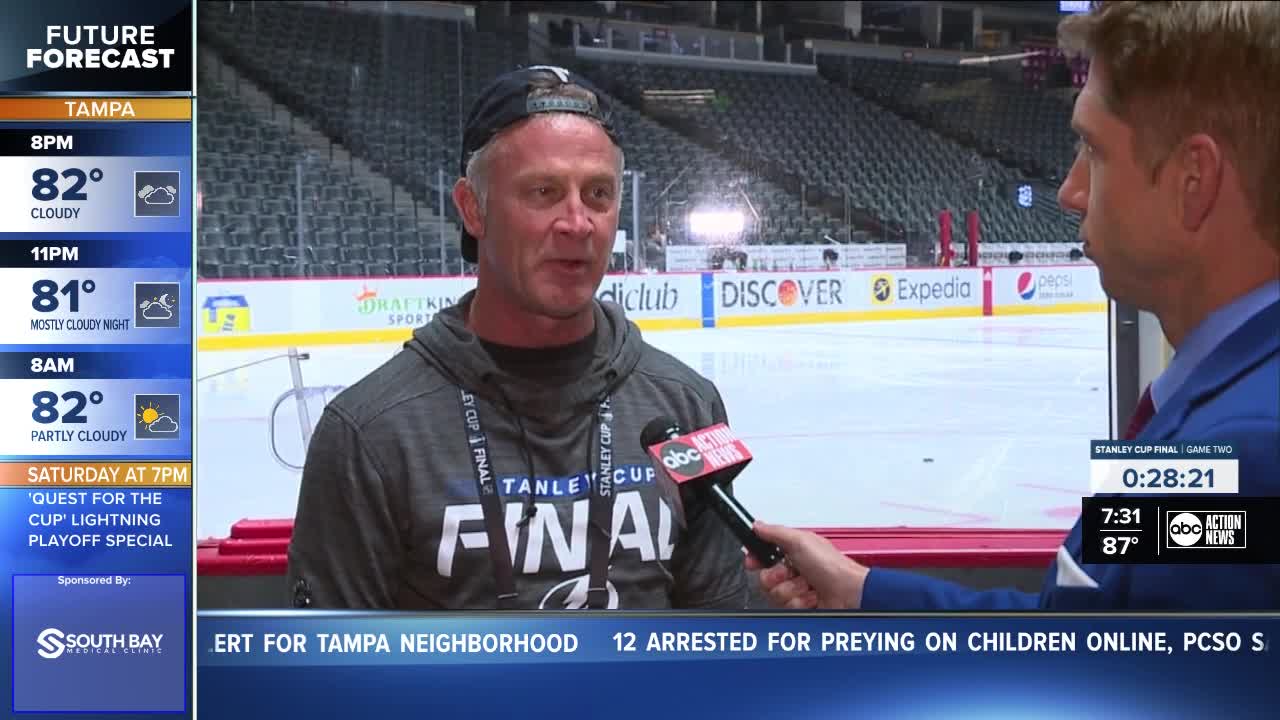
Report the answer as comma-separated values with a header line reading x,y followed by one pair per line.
x,y
1181,530
630,665
311,638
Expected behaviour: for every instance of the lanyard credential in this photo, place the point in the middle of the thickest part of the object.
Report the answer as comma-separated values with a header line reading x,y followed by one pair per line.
x,y
599,516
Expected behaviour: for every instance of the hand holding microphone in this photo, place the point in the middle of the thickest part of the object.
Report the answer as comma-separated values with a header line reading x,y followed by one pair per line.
x,y
704,460
816,574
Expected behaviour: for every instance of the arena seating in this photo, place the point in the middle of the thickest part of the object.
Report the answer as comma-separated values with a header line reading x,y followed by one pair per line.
x,y
1003,118
681,175
796,155
840,145
403,116
249,221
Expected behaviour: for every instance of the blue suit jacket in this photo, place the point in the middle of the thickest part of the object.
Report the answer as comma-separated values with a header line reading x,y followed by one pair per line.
x,y
1233,396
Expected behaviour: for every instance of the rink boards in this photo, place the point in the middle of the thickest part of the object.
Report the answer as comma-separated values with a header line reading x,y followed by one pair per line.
x,y
245,314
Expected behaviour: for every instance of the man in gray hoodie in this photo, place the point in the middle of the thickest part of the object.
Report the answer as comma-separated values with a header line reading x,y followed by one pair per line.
x,y
461,474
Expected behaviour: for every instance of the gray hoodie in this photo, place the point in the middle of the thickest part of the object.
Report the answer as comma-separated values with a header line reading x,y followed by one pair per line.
x,y
389,517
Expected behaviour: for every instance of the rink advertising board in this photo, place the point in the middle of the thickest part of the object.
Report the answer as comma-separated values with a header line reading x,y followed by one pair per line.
x,y
314,312
249,314
96,143
275,313
807,297
1046,289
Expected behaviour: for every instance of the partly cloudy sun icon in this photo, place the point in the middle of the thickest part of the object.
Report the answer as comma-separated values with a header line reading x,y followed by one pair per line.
x,y
155,421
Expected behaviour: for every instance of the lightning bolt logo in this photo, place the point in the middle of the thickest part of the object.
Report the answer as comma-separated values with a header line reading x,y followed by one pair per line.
x,y
575,595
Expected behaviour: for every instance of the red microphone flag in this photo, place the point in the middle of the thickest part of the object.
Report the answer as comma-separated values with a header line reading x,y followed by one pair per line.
x,y
701,453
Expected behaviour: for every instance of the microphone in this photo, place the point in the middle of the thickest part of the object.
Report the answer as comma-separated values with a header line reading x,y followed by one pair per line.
x,y
704,460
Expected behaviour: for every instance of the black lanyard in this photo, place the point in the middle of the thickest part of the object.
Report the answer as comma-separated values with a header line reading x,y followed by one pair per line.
x,y
599,515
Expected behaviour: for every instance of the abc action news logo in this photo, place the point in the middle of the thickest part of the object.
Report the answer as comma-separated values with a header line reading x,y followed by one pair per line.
x,y
701,453
1206,529
53,643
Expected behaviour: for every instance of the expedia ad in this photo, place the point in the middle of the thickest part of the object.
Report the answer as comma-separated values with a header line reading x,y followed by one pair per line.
x,y
755,294
913,290
1056,288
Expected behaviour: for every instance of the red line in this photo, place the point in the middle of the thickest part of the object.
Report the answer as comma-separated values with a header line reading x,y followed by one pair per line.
x,y
844,433
972,517
1050,488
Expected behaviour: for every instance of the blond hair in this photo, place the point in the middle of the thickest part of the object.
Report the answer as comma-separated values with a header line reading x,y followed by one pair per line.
x,y
1179,68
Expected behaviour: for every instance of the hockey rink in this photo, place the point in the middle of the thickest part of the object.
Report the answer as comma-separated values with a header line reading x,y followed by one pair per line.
x,y
969,422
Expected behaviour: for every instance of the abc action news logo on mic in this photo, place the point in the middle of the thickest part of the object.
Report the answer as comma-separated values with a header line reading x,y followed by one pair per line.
x,y
701,453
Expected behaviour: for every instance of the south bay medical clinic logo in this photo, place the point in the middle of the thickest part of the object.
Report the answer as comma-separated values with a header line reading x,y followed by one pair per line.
x,y
1048,286
53,643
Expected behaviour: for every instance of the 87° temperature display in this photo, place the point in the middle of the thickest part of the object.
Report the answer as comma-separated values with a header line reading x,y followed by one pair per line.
x,y
1180,529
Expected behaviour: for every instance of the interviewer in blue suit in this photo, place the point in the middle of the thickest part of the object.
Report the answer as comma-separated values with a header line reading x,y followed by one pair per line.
x,y
1177,178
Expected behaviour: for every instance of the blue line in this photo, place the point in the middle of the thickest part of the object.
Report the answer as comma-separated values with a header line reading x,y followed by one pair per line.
x,y
708,300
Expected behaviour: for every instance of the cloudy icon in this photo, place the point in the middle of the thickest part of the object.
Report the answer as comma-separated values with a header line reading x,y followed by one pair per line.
x,y
163,424
156,193
158,196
